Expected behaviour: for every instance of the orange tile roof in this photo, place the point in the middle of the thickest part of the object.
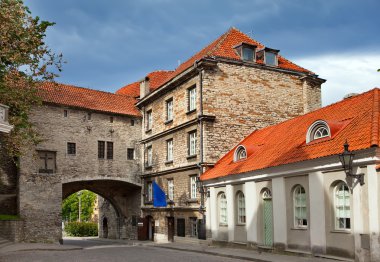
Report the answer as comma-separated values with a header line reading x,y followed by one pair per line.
x,y
69,95
222,47
156,79
354,119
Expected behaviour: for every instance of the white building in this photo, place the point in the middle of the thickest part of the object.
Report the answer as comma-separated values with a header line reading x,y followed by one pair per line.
x,y
5,127
284,188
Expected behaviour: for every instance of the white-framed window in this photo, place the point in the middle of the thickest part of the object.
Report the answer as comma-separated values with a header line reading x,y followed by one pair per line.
x,y
240,153
193,187
342,206
222,209
149,120
149,191
192,93
240,207
171,189
319,129
169,109
271,58
300,207
169,150
248,53
149,154
192,143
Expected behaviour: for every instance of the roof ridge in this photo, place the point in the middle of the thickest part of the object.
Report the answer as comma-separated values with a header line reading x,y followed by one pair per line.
x,y
221,38
375,119
80,87
249,36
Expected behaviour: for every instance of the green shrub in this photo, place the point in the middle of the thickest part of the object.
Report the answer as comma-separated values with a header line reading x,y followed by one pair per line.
x,y
81,229
9,217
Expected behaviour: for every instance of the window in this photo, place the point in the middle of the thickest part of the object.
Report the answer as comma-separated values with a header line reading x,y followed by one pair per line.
x,y
342,206
169,150
222,209
71,148
241,207
193,226
101,149
171,189
89,116
46,162
149,193
169,109
192,143
240,153
319,129
130,153
300,207
111,119
192,95
149,159
149,120
193,187
248,54
109,150
65,113
270,58
132,122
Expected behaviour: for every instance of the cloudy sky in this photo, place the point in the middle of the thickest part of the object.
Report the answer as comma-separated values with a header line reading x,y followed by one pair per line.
x,y
110,43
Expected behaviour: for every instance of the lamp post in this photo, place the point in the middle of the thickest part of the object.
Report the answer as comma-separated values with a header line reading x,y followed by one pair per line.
x,y
347,158
202,224
80,205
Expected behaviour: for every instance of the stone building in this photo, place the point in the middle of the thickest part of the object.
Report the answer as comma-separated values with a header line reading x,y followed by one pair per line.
x,y
89,141
196,113
284,187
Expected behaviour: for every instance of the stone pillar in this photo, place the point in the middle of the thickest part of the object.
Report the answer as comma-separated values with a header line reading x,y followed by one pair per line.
x,y
213,214
208,216
251,209
373,212
230,212
317,223
279,214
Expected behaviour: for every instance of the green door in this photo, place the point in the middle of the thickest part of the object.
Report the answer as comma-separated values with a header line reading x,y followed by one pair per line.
x,y
268,222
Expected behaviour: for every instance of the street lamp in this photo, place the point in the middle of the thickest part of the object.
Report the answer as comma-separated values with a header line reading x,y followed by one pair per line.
x,y
347,158
202,225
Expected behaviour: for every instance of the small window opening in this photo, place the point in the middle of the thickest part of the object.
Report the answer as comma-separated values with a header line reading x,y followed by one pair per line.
x,y
111,119
65,113
132,122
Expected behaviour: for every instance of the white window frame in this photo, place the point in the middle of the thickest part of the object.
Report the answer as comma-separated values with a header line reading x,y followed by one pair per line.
x,y
171,189
192,93
149,158
149,120
223,220
193,143
240,199
149,190
342,206
317,125
240,153
300,207
169,109
193,187
169,150
275,58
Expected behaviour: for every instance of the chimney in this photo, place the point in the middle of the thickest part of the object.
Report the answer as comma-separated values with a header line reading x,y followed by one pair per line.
x,y
350,95
144,87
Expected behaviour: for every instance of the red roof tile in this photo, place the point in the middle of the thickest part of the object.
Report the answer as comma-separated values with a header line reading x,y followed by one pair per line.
x,y
354,119
222,47
69,95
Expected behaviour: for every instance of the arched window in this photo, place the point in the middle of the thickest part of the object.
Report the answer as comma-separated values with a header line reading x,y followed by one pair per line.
x,y
241,207
240,153
318,130
266,194
342,206
222,209
300,206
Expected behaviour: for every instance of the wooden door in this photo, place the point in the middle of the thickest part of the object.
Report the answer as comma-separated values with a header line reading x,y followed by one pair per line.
x,y
142,229
180,227
170,229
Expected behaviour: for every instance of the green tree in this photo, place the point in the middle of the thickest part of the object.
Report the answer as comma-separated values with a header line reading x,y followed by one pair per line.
x,y
70,206
25,61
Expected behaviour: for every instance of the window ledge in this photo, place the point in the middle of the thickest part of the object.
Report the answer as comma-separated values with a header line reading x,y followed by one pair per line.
x,y
191,157
148,167
192,200
148,131
240,224
223,225
169,162
191,111
148,203
299,228
341,231
168,121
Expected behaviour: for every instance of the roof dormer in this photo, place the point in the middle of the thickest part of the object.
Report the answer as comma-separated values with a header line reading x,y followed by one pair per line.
x,y
268,55
246,51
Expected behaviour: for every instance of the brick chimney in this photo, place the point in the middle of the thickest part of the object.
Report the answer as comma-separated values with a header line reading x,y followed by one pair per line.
x,y
144,87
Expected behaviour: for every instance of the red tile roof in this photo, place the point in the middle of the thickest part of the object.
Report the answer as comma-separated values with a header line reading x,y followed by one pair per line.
x,y
156,79
354,119
69,95
222,47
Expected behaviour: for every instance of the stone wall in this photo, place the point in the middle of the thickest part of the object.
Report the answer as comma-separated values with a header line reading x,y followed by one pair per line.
x,y
12,230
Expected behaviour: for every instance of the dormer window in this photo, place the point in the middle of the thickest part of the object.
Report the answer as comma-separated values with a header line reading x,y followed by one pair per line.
x,y
269,56
246,51
319,129
240,153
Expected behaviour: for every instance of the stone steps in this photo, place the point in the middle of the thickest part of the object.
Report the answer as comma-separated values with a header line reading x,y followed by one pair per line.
x,y
191,240
5,242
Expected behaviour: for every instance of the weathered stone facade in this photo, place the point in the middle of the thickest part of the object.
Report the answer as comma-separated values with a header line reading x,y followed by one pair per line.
x,y
116,179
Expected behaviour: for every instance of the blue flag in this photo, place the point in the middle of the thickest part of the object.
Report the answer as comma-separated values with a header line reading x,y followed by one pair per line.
x,y
159,196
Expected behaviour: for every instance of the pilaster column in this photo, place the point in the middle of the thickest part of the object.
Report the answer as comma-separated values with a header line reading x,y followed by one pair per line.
x,y
230,212
251,209
213,214
373,212
279,213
